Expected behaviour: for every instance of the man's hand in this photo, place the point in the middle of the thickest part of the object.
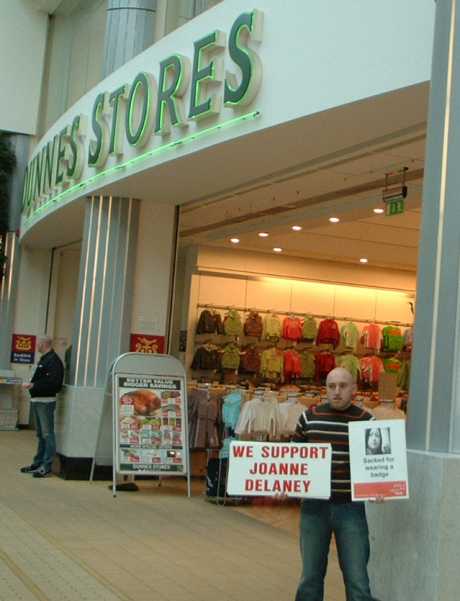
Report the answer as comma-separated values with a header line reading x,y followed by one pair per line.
x,y
27,386
281,497
378,499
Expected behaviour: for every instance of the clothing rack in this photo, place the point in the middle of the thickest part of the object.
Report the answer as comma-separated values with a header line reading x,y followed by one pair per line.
x,y
316,315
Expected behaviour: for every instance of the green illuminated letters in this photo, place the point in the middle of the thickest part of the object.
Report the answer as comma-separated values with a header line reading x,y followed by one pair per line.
x,y
141,93
118,101
169,102
247,25
99,148
75,166
212,73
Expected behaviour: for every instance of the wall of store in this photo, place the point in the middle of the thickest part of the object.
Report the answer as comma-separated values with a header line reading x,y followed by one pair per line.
x,y
246,280
23,33
233,261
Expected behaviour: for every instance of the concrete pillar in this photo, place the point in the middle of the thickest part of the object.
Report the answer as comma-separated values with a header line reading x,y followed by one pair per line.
x,y
416,543
130,30
103,312
111,255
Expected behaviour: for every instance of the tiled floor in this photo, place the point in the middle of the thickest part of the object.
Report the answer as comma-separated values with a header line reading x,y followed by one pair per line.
x,y
70,541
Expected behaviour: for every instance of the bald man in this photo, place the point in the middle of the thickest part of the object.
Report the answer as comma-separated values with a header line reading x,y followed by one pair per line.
x,y
328,423
44,385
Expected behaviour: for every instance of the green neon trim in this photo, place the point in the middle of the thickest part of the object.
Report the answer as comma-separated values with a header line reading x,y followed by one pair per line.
x,y
143,157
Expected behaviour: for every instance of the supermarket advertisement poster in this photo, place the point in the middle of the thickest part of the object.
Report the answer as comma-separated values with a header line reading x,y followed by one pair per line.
x,y
150,425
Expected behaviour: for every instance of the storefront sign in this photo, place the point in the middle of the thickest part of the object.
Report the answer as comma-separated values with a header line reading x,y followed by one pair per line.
x,y
147,343
23,349
268,469
150,113
150,420
378,460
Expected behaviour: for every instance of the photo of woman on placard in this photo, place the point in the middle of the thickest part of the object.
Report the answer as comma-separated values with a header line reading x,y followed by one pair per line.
x,y
377,441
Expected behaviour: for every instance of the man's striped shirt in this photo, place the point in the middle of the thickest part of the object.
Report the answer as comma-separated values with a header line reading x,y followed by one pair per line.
x,y
322,424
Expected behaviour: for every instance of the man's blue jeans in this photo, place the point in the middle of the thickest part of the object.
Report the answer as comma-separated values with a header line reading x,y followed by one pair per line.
x,y
319,519
43,414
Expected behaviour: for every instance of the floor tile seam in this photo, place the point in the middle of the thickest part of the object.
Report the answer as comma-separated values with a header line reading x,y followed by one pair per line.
x,y
27,582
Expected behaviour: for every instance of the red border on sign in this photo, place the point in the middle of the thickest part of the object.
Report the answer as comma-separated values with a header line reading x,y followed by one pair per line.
x,y
384,489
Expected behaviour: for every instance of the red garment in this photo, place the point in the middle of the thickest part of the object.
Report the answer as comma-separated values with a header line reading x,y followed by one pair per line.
x,y
292,328
324,363
371,336
371,368
328,333
292,364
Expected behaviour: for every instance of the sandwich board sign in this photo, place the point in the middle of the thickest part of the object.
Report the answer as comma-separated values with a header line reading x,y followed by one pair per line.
x,y
149,417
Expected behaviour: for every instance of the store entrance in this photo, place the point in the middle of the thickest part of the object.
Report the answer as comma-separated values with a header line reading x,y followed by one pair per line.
x,y
274,307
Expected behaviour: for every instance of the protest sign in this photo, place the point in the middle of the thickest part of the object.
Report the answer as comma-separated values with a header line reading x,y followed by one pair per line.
x,y
268,469
378,460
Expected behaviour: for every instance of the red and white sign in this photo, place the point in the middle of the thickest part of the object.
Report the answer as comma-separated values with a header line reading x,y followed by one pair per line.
x,y
147,343
378,460
268,469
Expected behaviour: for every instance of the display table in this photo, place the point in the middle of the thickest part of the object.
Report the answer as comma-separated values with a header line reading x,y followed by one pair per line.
x,y
8,400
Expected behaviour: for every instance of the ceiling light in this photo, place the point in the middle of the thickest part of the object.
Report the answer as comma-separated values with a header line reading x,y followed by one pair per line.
x,y
277,249
235,240
263,234
334,219
379,211
364,260
296,228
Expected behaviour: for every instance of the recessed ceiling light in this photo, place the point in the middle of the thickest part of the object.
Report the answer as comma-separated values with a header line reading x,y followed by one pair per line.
x,y
263,234
364,260
334,219
296,228
379,211
235,240
277,249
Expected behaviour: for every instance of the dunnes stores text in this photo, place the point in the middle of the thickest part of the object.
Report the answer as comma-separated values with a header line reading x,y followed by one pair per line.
x,y
145,112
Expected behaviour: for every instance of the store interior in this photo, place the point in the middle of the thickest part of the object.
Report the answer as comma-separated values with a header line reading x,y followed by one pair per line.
x,y
331,268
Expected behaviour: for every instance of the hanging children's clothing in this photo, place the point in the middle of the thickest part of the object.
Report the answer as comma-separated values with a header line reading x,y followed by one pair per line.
x,y
371,368
371,337
250,360
232,323
258,415
307,359
309,328
271,364
324,363
393,339
350,363
209,322
392,365
206,357
292,328
349,336
253,326
272,327
204,415
290,412
328,333
292,365
231,357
